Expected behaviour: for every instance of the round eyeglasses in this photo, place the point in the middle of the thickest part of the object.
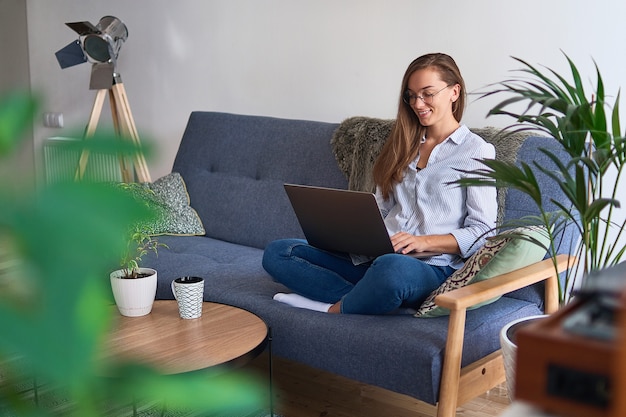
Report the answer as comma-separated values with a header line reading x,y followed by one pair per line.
x,y
410,97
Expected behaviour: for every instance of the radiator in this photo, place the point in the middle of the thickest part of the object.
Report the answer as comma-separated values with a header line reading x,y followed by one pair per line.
x,y
61,163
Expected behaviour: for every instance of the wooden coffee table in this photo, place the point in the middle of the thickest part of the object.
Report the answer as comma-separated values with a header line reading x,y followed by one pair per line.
x,y
223,335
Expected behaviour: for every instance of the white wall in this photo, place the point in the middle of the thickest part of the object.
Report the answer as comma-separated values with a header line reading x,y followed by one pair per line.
x,y
323,60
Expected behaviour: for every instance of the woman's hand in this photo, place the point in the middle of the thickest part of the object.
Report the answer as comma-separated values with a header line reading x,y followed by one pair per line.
x,y
406,243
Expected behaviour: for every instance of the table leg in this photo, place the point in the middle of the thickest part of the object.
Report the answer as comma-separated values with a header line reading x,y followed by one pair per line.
x,y
270,372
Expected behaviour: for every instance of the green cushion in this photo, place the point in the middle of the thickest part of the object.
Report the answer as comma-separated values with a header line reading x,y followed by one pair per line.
x,y
498,256
175,216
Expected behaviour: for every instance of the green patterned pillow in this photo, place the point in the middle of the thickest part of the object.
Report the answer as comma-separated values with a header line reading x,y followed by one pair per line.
x,y
169,196
496,257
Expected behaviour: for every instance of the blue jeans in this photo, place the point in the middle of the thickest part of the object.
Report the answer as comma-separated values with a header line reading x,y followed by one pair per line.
x,y
389,282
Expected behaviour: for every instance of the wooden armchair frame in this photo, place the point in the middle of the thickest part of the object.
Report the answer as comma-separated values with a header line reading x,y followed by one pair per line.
x,y
460,384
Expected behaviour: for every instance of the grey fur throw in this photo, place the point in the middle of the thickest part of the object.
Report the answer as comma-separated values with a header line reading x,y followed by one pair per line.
x,y
358,140
356,145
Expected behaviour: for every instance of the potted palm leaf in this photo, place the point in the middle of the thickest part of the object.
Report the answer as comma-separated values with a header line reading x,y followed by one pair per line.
x,y
588,128
590,135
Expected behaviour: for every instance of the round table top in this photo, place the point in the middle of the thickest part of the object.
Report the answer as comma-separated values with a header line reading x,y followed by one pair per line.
x,y
172,345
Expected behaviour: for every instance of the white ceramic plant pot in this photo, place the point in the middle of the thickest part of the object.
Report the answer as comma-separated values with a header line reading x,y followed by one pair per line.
x,y
509,350
134,297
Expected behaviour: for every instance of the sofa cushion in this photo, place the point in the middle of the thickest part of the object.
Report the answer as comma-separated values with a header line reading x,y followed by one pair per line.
x,y
498,256
168,195
200,256
235,167
177,218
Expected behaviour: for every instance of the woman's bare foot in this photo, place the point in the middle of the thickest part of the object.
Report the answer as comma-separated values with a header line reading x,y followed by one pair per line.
x,y
335,308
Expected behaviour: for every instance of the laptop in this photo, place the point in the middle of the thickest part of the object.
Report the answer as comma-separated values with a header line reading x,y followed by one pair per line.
x,y
342,220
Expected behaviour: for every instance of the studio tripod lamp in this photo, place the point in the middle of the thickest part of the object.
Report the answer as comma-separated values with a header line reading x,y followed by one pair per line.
x,y
100,45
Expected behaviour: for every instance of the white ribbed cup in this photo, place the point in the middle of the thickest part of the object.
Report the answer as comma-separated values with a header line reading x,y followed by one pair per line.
x,y
188,291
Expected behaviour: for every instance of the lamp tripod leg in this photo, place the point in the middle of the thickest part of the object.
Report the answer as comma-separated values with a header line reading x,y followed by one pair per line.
x,y
119,125
126,126
94,117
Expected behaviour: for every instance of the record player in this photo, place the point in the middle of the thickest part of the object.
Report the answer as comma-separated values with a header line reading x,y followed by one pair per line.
x,y
573,363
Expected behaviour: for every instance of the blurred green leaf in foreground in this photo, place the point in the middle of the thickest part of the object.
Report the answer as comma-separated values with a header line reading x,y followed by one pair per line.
x,y
58,244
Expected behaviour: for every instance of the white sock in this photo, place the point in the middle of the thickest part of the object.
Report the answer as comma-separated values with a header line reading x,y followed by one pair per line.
x,y
299,301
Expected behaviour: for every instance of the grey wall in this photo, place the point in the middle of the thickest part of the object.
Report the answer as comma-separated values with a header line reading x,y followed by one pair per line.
x,y
322,60
15,75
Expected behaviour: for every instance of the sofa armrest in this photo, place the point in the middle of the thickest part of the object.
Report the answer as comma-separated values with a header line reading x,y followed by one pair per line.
x,y
457,301
479,292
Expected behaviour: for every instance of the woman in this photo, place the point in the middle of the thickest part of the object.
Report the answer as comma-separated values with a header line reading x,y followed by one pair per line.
x,y
423,211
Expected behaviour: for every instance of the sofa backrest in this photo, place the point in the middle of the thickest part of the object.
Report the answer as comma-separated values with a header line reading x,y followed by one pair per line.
x,y
234,167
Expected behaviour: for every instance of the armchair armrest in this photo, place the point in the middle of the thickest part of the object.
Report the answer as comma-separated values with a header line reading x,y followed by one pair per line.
x,y
479,292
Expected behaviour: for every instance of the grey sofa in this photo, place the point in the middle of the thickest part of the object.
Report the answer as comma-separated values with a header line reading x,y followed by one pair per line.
x,y
234,167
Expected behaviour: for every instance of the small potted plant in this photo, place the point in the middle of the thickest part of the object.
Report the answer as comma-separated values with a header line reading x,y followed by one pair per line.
x,y
134,287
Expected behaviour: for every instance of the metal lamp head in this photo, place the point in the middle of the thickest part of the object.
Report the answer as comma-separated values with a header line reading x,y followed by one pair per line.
x,y
100,45
106,43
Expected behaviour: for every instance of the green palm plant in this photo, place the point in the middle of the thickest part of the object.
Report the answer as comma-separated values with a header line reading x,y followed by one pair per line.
x,y
562,109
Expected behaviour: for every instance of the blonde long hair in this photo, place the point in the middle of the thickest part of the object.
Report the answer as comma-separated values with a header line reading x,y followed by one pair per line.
x,y
403,143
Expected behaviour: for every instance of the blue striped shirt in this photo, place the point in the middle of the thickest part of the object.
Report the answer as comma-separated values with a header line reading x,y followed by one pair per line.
x,y
425,204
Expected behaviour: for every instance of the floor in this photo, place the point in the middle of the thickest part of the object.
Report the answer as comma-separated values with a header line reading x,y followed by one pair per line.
x,y
301,391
